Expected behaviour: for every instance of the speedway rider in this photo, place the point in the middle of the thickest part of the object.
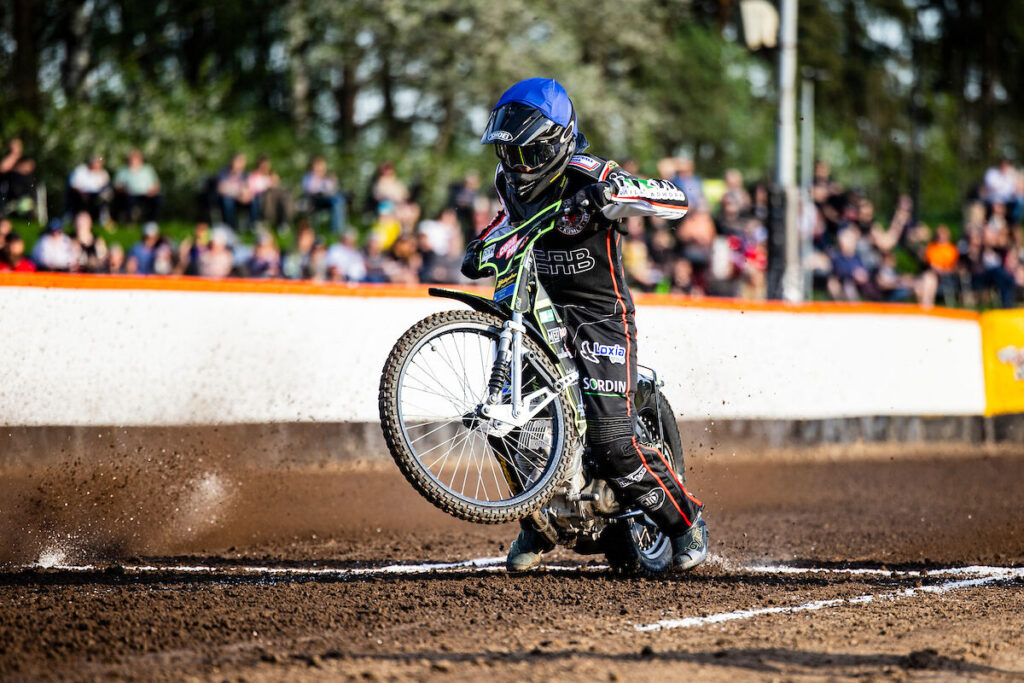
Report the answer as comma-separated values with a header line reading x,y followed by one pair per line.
x,y
534,132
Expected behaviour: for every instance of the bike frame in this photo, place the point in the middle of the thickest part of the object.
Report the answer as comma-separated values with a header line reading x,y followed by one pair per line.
x,y
520,300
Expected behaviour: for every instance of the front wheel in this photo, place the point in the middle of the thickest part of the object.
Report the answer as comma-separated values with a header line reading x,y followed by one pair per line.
x,y
434,378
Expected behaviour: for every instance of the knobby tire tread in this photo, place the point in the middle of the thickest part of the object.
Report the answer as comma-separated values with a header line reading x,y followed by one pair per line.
x,y
406,460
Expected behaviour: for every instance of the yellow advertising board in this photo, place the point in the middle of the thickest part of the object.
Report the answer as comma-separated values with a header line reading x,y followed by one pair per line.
x,y
1002,348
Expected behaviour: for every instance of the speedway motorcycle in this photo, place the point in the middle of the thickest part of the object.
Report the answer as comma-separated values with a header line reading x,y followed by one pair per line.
x,y
482,411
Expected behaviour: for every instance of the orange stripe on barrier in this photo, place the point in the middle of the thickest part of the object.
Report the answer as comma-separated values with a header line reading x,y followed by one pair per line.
x,y
183,283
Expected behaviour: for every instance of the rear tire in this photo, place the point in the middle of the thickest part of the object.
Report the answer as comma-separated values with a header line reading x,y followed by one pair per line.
x,y
636,545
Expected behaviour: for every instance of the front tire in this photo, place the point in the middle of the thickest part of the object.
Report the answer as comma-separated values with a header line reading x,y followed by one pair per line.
x,y
433,379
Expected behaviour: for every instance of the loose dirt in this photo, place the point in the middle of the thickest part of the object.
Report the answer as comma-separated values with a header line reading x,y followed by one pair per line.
x,y
106,617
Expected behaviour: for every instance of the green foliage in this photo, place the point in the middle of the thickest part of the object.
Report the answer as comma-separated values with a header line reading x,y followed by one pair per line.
x,y
361,81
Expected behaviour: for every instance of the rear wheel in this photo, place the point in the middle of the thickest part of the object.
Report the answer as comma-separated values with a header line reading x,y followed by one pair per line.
x,y
636,545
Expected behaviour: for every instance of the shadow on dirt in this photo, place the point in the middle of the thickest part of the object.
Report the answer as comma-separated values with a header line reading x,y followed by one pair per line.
x,y
760,660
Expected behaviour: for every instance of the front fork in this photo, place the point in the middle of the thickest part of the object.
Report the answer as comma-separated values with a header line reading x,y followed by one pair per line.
x,y
508,369
508,364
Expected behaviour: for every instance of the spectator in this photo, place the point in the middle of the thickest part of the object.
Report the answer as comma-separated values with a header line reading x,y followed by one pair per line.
x,y
163,259
696,235
991,258
891,285
142,255
89,190
1001,187
17,182
734,189
54,250
404,266
272,203
635,257
941,259
850,279
115,259
192,248
440,233
217,261
682,279
377,262
729,220
12,255
686,180
324,193
387,187
387,228
233,191
463,200
318,261
345,263
6,228
137,190
296,265
266,259
90,250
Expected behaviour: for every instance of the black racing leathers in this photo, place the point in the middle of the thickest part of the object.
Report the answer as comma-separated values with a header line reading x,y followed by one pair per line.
x,y
581,269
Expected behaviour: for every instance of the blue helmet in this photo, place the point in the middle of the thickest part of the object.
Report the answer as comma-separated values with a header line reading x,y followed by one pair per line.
x,y
534,133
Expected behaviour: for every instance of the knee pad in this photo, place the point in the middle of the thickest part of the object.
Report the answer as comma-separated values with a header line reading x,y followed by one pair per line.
x,y
605,431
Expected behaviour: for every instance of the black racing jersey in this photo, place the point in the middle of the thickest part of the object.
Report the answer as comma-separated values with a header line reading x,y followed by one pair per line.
x,y
580,263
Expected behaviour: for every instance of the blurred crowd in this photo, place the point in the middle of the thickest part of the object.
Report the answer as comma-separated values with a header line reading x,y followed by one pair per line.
x,y
857,256
253,224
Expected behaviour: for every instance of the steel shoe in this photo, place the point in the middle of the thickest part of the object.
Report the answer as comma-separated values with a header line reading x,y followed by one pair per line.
x,y
525,552
690,549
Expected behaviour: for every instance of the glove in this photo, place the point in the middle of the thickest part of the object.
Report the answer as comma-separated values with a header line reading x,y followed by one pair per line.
x,y
469,263
596,195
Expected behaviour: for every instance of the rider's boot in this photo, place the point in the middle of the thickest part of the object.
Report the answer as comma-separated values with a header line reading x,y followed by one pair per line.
x,y
691,548
526,550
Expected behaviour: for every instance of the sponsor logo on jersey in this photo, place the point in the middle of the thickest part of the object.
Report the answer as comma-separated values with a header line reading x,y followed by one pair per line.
x,y
488,253
502,135
585,162
564,262
652,500
506,250
605,386
632,477
595,352
573,224
546,315
1013,357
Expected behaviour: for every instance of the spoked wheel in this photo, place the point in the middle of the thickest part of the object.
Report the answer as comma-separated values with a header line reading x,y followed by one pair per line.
x,y
476,469
636,545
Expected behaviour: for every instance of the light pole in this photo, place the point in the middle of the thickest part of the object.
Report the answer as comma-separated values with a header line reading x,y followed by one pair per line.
x,y
785,152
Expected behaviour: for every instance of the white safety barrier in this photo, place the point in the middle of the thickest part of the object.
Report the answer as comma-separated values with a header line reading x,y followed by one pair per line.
x,y
128,357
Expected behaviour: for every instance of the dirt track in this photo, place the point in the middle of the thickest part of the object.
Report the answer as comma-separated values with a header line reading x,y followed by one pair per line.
x,y
236,619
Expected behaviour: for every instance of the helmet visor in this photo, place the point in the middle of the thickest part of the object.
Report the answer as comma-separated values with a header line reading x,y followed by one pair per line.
x,y
526,158
517,124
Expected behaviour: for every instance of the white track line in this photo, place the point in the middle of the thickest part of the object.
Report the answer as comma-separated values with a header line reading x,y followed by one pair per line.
x,y
994,575
480,563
